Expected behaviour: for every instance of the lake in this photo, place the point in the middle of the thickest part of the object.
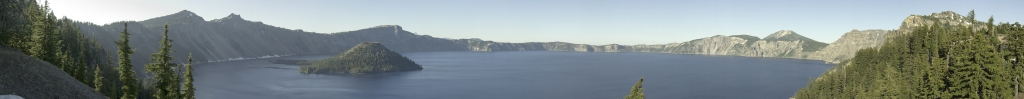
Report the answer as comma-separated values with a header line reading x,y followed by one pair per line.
x,y
519,75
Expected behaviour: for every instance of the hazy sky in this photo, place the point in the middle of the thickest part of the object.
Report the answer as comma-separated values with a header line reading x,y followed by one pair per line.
x,y
577,21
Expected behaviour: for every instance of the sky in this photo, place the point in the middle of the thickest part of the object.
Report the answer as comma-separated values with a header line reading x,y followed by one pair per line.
x,y
596,22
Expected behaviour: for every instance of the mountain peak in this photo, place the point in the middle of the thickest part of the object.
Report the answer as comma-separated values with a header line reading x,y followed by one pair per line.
x,y
396,27
787,35
810,45
181,17
781,34
364,46
180,14
373,45
233,16
185,12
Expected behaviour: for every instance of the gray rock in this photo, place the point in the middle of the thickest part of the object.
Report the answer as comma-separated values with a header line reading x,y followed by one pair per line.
x,y
32,78
11,96
847,45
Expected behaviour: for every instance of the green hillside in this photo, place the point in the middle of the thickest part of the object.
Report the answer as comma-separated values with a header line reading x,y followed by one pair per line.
x,y
932,61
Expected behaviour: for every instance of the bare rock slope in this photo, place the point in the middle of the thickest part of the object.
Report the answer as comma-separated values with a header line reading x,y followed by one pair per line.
x,y
32,78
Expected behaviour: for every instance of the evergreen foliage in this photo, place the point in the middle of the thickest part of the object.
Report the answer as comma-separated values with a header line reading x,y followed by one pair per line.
x,y
98,85
166,81
637,92
937,61
129,88
189,90
36,31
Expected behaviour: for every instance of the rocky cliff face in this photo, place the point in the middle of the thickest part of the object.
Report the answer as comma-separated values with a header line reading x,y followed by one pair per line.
x,y
844,48
847,45
780,44
945,18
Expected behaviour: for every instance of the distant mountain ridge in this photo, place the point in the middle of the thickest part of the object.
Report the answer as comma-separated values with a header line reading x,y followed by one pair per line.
x,y
233,37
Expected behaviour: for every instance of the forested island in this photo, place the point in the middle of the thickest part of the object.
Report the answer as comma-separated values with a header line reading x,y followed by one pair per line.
x,y
367,57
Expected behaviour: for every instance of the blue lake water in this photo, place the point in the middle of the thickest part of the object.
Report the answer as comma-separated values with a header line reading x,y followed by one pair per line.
x,y
519,75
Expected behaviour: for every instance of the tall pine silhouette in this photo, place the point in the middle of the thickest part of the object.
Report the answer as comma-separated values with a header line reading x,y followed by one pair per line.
x,y
129,88
190,90
166,84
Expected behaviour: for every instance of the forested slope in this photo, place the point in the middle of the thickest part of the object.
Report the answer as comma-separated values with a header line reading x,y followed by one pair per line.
x,y
943,55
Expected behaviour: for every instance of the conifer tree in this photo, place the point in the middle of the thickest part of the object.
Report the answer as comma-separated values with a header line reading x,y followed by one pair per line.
x,y
52,38
637,92
1016,48
39,40
98,80
166,84
966,74
114,91
936,73
129,89
970,16
994,84
190,90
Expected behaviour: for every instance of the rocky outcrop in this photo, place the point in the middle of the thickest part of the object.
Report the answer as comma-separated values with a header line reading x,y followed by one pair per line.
x,y
945,18
844,48
847,45
32,78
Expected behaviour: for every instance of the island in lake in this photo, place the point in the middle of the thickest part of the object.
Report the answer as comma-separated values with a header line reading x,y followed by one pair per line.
x,y
366,57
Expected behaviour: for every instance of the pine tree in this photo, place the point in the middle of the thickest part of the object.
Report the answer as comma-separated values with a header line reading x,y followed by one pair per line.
x,y
124,52
166,83
919,53
994,84
1016,48
98,80
888,86
38,44
190,90
970,16
12,23
114,91
936,73
637,92
52,38
80,62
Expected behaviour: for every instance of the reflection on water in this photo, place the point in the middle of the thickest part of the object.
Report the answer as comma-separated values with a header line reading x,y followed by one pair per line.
x,y
517,75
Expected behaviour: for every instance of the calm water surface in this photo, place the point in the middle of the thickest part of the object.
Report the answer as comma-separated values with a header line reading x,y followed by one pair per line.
x,y
519,75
